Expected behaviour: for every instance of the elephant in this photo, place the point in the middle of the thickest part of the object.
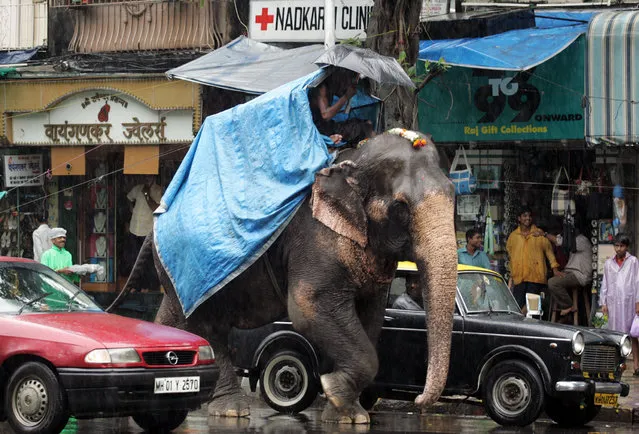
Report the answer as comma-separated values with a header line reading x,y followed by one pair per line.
x,y
330,270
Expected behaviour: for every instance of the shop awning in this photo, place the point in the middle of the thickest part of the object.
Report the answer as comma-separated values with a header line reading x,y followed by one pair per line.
x,y
515,50
612,88
249,66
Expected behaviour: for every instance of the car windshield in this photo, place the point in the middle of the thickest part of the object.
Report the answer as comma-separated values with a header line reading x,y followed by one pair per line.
x,y
27,289
483,292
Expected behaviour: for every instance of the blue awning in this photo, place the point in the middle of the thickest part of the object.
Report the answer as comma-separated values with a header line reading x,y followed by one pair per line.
x,y
515,50
612,88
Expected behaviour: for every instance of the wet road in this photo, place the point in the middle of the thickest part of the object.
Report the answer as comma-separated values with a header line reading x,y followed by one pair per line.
x,y
264,420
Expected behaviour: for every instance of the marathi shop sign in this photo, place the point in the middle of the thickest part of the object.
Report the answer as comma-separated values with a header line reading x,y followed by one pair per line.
x,y
304,20
22,170
542,103
102,117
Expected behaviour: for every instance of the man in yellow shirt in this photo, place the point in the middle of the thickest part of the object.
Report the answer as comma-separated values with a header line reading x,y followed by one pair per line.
x,y
528,252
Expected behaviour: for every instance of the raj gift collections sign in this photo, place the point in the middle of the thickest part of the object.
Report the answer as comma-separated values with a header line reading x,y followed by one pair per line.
x,y
474,105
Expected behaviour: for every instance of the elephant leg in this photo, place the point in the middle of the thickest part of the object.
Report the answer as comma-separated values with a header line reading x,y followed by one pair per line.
x,y
337,330
167,315
229,400
371,314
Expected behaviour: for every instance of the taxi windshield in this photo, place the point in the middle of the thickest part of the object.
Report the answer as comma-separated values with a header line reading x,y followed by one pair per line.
x,y
483,292
25,289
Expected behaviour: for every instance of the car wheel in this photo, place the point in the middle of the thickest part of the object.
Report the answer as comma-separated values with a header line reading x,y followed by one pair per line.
x,y
367,399
160,421
571,414
35,402
286,382
513,393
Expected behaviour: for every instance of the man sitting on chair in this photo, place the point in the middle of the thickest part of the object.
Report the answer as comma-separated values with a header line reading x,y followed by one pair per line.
x,y
577,273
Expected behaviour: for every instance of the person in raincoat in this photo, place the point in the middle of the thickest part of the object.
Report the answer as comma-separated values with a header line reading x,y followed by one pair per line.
x,y
619,295
57,257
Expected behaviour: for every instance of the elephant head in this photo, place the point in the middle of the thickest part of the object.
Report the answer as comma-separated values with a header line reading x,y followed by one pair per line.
x,y
394,200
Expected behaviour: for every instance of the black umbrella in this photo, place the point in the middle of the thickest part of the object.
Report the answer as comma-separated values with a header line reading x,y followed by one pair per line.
x,y
382,69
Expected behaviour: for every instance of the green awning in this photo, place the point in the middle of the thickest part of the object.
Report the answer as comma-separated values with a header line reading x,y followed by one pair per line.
x,y
612,86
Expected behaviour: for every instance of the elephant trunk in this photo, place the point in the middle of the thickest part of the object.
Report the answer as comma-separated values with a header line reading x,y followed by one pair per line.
x,y
436,257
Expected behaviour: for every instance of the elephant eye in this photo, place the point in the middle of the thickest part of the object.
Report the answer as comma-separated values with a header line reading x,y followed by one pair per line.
x,y
399,212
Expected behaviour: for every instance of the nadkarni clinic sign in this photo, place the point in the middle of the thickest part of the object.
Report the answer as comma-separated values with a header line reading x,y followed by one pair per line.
x,y
474,105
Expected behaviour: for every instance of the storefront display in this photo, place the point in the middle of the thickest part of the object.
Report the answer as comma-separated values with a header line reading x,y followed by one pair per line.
x,y
94,137
530,178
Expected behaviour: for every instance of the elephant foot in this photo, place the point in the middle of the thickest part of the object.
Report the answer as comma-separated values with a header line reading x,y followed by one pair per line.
x,y
354,414
337,389
234,405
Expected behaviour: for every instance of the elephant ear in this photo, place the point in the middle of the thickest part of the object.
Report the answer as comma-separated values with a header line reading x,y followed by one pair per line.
x,y
337,203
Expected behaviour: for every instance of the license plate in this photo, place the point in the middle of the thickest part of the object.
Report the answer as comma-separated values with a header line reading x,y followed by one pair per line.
x,y
177,385
606,399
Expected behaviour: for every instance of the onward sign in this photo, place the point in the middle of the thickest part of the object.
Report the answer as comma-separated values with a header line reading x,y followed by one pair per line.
x,y
304,20
474,105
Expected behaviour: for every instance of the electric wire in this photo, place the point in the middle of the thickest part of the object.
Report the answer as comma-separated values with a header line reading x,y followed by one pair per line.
x,y
92,180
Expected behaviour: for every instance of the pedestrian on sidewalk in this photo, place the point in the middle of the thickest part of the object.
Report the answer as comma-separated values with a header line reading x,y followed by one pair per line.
x,y
41,240
472,254
619,296
528,253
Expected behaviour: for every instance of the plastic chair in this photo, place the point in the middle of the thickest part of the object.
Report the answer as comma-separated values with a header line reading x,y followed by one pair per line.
x,y
533,305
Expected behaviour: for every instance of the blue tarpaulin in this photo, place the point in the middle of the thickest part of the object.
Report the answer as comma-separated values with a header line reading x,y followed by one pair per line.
x,y
247,171
515,50
18,56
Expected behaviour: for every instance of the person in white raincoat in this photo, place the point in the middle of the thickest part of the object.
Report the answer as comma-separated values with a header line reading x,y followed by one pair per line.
x,y
619,296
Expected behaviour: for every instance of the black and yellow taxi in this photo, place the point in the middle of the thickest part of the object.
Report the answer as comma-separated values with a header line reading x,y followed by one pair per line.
x,y
517,366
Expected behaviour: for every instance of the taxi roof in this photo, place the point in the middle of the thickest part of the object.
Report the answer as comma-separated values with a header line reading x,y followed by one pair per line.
x,y
411,266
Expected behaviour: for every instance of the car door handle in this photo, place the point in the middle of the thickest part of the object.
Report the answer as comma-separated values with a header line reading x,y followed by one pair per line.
x,y
388,318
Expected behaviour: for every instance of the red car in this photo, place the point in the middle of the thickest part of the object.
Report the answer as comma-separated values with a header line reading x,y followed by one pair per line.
x,y
62,356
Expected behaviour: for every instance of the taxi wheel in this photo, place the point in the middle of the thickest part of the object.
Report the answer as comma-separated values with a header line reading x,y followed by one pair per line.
x,y
571,414
35,402
513,393
161,421
286,382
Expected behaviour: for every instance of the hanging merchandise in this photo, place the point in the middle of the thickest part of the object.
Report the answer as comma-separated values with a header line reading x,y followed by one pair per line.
x,y
619,209
468,206
569,237
463,180
561,200
600,201
583,185
489,233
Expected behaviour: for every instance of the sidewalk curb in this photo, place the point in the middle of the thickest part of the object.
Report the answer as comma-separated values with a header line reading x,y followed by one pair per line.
x,y
473,407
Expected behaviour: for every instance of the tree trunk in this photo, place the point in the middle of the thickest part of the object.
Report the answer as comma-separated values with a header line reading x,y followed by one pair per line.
x,y
392,29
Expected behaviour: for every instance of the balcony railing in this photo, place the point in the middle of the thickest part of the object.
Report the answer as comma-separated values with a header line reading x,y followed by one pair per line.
x,y
83,3
140,25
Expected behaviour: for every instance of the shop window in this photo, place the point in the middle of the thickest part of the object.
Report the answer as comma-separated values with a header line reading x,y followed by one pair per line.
x,y
100,222
23,203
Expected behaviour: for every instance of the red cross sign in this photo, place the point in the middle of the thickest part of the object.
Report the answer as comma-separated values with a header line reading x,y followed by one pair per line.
x,y
265,19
